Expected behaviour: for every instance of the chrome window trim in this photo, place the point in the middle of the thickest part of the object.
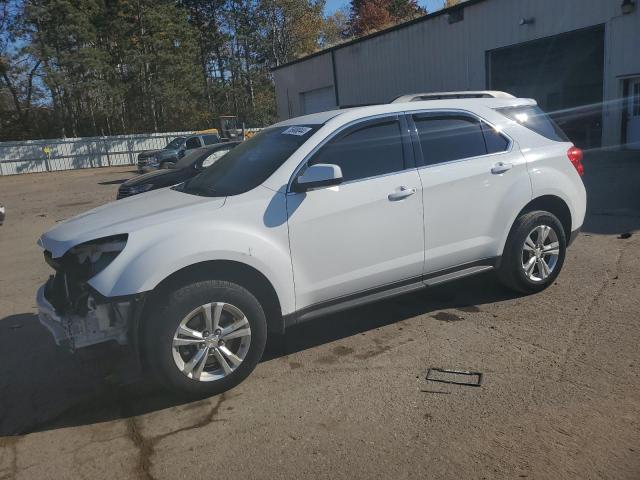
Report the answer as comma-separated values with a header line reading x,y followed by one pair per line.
x,y
456,111
332,135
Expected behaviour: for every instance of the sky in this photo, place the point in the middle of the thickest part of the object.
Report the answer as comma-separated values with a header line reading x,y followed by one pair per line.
x,y
333,5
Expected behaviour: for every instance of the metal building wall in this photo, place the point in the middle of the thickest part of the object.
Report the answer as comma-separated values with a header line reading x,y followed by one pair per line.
x,y
434,55
311,74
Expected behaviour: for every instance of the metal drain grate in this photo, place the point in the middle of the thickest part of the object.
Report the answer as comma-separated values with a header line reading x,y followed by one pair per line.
x,y
456,377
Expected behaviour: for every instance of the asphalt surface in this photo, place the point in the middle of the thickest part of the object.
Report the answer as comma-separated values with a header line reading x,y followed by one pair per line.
x,y
347,397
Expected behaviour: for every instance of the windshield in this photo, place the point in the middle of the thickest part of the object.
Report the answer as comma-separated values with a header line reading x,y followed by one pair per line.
x,y
175,143
250,163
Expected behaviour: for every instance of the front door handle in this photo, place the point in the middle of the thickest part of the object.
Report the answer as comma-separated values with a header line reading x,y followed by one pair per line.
x,y
501,167
402,192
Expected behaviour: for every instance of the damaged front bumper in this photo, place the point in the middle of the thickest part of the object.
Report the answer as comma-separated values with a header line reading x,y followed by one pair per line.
x,y
100,321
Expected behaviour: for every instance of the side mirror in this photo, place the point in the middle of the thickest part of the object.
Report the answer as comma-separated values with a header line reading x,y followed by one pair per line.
x,y
316,176
181,153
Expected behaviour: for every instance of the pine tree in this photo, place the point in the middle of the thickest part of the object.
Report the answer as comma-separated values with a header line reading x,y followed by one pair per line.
x,y
92,67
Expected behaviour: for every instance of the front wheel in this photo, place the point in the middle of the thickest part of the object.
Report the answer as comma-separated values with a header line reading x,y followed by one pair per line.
x,y
534,253
206,339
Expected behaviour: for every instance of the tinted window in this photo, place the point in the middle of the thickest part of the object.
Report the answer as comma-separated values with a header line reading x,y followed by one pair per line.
x,y
371,150
250,163
449,138
496,142
210,139
214,157
175,143
535,119
193,142
191,157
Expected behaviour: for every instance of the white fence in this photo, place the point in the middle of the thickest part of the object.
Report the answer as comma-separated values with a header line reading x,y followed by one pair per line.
x,y
70,153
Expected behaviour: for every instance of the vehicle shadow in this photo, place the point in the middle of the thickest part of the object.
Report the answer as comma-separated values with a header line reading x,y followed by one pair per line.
x,y
43,387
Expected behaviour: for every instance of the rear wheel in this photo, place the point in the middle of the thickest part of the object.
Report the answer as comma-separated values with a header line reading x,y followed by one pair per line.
x,y
207,338
534,253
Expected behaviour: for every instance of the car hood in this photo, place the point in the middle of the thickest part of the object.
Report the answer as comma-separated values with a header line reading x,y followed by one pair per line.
x,y
159,176
148,153
164,153
127,216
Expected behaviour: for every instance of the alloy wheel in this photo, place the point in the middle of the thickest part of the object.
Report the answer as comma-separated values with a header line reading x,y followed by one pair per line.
x,y
540,253
211,341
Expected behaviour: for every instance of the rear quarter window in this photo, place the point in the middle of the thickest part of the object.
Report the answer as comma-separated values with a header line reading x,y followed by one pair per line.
x,y
535,119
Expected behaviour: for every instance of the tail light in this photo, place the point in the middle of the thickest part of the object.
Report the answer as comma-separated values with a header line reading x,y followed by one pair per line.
x,y
575,157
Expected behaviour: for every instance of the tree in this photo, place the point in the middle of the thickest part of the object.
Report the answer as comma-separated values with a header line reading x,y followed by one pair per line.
x,y
372,15
403,10
92,67
292,28
336,28
18,70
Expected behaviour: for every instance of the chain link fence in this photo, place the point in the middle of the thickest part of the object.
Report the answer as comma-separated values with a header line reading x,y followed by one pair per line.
x,y
71,153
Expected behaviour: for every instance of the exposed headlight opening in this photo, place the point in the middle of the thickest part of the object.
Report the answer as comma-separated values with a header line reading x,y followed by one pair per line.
x,y
94,250
98,254
86,260
73,311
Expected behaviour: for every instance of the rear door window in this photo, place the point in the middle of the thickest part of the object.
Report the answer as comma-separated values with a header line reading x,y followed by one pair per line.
x,y
372,149
444,138
448,137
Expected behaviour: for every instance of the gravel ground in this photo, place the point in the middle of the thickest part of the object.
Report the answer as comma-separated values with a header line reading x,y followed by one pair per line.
x,y
348,398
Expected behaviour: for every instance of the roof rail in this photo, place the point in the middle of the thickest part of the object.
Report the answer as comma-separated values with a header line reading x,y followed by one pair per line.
x,y
418,97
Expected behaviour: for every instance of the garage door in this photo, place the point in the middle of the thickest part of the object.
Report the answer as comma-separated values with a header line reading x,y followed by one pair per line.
x,y
564,73
318,100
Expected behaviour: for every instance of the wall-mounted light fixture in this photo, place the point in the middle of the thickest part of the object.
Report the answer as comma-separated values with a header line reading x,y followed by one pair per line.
x,y
527,21
628,6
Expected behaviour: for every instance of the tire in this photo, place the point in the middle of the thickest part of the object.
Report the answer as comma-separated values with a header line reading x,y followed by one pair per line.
x,y
170,354
520,267
165,165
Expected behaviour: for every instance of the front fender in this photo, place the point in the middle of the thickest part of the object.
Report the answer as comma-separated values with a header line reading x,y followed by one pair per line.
x,y
153,254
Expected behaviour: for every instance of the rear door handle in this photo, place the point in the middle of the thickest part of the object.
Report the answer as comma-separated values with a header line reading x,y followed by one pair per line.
x,y
402,192
501,167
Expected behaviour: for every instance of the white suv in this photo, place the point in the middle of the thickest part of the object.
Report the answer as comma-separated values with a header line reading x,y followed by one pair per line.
x,y
313,215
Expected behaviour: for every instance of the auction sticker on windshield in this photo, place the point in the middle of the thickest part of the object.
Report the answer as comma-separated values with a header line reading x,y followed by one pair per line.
x,y
296,131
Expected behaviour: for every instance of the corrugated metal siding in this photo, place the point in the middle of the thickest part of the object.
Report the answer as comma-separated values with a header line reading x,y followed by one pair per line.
x,y
435,55
71,153
317,72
